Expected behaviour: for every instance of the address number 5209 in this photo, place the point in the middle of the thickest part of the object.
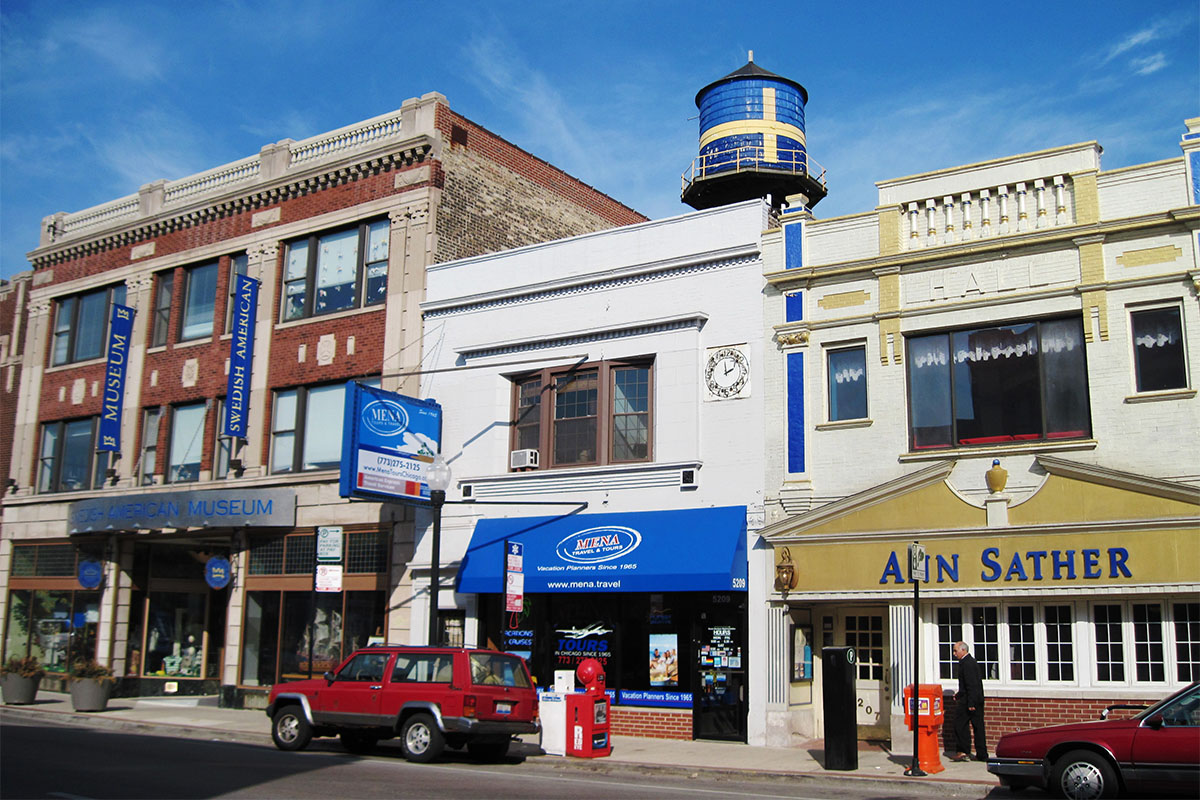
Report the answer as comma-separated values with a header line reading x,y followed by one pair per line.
x,y
738,583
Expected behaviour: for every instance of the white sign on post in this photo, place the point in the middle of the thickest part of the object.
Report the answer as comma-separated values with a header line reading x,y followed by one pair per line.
x,y
916,560
329,578
329,545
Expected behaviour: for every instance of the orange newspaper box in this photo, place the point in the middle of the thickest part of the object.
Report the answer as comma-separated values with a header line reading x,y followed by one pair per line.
x,y
929,719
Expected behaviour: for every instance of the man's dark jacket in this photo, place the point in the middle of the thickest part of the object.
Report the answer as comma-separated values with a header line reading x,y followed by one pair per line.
x,y
970,682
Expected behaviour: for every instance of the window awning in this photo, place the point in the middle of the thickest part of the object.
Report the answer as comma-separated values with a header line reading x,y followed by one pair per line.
x,y
688,550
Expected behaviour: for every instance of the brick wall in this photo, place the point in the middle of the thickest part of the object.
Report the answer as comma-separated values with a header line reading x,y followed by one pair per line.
x,y
13,297
651,723
1010,714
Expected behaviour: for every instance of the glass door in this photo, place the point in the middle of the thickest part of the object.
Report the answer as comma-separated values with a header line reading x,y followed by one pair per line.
x,y
720,695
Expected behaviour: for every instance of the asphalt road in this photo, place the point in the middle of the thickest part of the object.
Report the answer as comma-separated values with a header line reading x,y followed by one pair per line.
x,y
68,762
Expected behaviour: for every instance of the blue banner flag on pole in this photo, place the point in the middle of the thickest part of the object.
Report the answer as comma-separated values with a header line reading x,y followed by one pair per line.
x,y
241,356
120,331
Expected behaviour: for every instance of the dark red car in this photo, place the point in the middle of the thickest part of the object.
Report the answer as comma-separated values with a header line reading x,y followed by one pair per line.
x,y
1157,751
429,697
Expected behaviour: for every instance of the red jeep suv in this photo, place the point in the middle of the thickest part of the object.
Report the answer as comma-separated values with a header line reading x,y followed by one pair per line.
x,y
431,697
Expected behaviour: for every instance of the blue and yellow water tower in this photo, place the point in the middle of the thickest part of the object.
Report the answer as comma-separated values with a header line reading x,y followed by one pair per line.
x,y
752,142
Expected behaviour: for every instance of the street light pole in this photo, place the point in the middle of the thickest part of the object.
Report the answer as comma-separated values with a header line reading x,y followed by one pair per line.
x,y
438,479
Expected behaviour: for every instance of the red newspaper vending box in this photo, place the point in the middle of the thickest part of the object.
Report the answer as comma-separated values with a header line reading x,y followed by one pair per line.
x,y
587,714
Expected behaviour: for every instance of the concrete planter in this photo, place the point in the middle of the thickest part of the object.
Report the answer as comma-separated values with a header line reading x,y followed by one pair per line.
x,y
90,694
19,690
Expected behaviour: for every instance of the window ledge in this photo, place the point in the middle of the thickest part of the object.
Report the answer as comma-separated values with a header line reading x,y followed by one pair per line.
x,y
349,312
984,451
192,342
846,423
571,480
1154,397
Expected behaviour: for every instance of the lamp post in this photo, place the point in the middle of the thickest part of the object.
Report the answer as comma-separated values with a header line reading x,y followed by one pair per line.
x,y
438,480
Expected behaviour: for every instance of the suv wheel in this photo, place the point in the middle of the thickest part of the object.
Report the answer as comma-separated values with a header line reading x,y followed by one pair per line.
x,y
359,742
422,740
488,749
290,729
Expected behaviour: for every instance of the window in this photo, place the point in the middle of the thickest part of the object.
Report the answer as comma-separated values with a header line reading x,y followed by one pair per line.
x,y
1129,643
306,427
1110,643
226,445
1158,356
150,421
847,378
187,443
161,321
365,667
199,302
1022,654
986,632
81,324
595,414
237,266
69,460
423,668
1187,641
334,271
1148,642
1020,382
1060,654
950,630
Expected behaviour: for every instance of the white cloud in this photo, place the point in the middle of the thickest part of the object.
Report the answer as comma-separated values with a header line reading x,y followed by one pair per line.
x,y
153,145
133,55
1135,39
1149,64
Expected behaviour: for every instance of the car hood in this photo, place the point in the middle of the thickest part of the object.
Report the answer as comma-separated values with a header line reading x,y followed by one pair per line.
x,y
1037,741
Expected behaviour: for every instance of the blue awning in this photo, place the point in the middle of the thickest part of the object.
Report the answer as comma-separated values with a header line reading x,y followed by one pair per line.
x,y
690,550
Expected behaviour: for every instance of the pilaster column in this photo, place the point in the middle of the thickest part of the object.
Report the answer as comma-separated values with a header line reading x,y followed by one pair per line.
x,y
261,262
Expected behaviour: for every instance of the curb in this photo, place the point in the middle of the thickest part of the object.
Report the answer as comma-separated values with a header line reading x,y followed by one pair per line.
x,y
528,752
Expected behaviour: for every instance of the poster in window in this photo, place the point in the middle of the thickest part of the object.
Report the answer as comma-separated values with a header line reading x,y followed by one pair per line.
x,y
664,659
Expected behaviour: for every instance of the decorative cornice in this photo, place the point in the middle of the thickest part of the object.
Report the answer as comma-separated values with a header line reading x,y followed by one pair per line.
x,y
567,339
1142,484
147,229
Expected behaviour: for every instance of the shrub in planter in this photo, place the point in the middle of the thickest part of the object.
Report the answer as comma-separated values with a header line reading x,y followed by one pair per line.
x,y
91,685
19,679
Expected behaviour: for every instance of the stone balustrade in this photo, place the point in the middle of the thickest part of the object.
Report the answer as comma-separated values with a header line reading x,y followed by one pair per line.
x,y
327,146
1002,210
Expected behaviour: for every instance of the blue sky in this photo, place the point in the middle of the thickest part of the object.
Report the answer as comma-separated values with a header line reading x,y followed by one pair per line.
x,y
99,98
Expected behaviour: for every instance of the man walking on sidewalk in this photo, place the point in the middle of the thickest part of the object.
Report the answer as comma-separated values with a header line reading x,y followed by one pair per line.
x,y
968,711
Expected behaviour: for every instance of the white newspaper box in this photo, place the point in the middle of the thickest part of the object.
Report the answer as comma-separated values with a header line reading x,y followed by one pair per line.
x,y
552,709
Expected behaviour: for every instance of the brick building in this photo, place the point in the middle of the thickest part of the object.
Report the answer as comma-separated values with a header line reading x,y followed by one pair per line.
x,y
996,362
142,529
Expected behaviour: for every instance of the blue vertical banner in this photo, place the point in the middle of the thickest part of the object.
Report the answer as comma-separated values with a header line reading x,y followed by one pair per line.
x,y
241,355
120,331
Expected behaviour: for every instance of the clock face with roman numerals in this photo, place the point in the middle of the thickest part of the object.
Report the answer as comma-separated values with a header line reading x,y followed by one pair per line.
x,y
727,372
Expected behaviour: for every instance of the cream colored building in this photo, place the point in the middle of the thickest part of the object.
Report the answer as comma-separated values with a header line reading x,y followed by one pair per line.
x,y
1035,313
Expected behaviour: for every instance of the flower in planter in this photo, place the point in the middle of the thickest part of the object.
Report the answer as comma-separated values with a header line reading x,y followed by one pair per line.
x,y
28,667
93,670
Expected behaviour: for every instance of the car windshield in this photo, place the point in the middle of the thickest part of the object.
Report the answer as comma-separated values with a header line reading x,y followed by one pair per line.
x,y
495,669
1182,708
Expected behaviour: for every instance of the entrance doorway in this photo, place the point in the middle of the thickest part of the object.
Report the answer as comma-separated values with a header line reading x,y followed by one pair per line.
x,y
720,688
865,630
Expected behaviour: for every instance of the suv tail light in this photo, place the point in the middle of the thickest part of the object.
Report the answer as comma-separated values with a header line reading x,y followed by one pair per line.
x,y
469,702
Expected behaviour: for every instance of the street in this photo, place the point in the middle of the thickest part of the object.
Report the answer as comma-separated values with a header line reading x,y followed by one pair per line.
x,y
46,760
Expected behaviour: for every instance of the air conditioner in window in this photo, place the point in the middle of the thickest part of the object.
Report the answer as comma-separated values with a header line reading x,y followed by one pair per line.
x,y
522,459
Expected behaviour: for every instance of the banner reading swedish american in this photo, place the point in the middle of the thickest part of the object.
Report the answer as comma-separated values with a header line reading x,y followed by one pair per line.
x,y
120,330
241,356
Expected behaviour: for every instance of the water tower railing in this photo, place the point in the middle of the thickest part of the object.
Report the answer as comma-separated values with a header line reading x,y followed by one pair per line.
x,y
751,158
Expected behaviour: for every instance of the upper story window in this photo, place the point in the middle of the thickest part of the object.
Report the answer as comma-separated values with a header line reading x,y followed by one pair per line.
x,y
69,460
306,427
149,457
160,324
238,264
81,324
846,374
334,271
1021,382
1158,356
186,443
200,301
595,414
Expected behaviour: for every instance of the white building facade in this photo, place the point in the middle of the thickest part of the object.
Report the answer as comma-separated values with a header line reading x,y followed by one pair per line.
x,y
604,408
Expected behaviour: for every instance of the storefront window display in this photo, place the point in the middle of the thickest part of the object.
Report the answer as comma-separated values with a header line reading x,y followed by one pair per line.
x,y
55,627
175,635
282,629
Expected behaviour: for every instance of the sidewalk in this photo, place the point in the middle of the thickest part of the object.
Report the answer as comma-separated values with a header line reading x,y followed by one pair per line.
x,y
200,718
